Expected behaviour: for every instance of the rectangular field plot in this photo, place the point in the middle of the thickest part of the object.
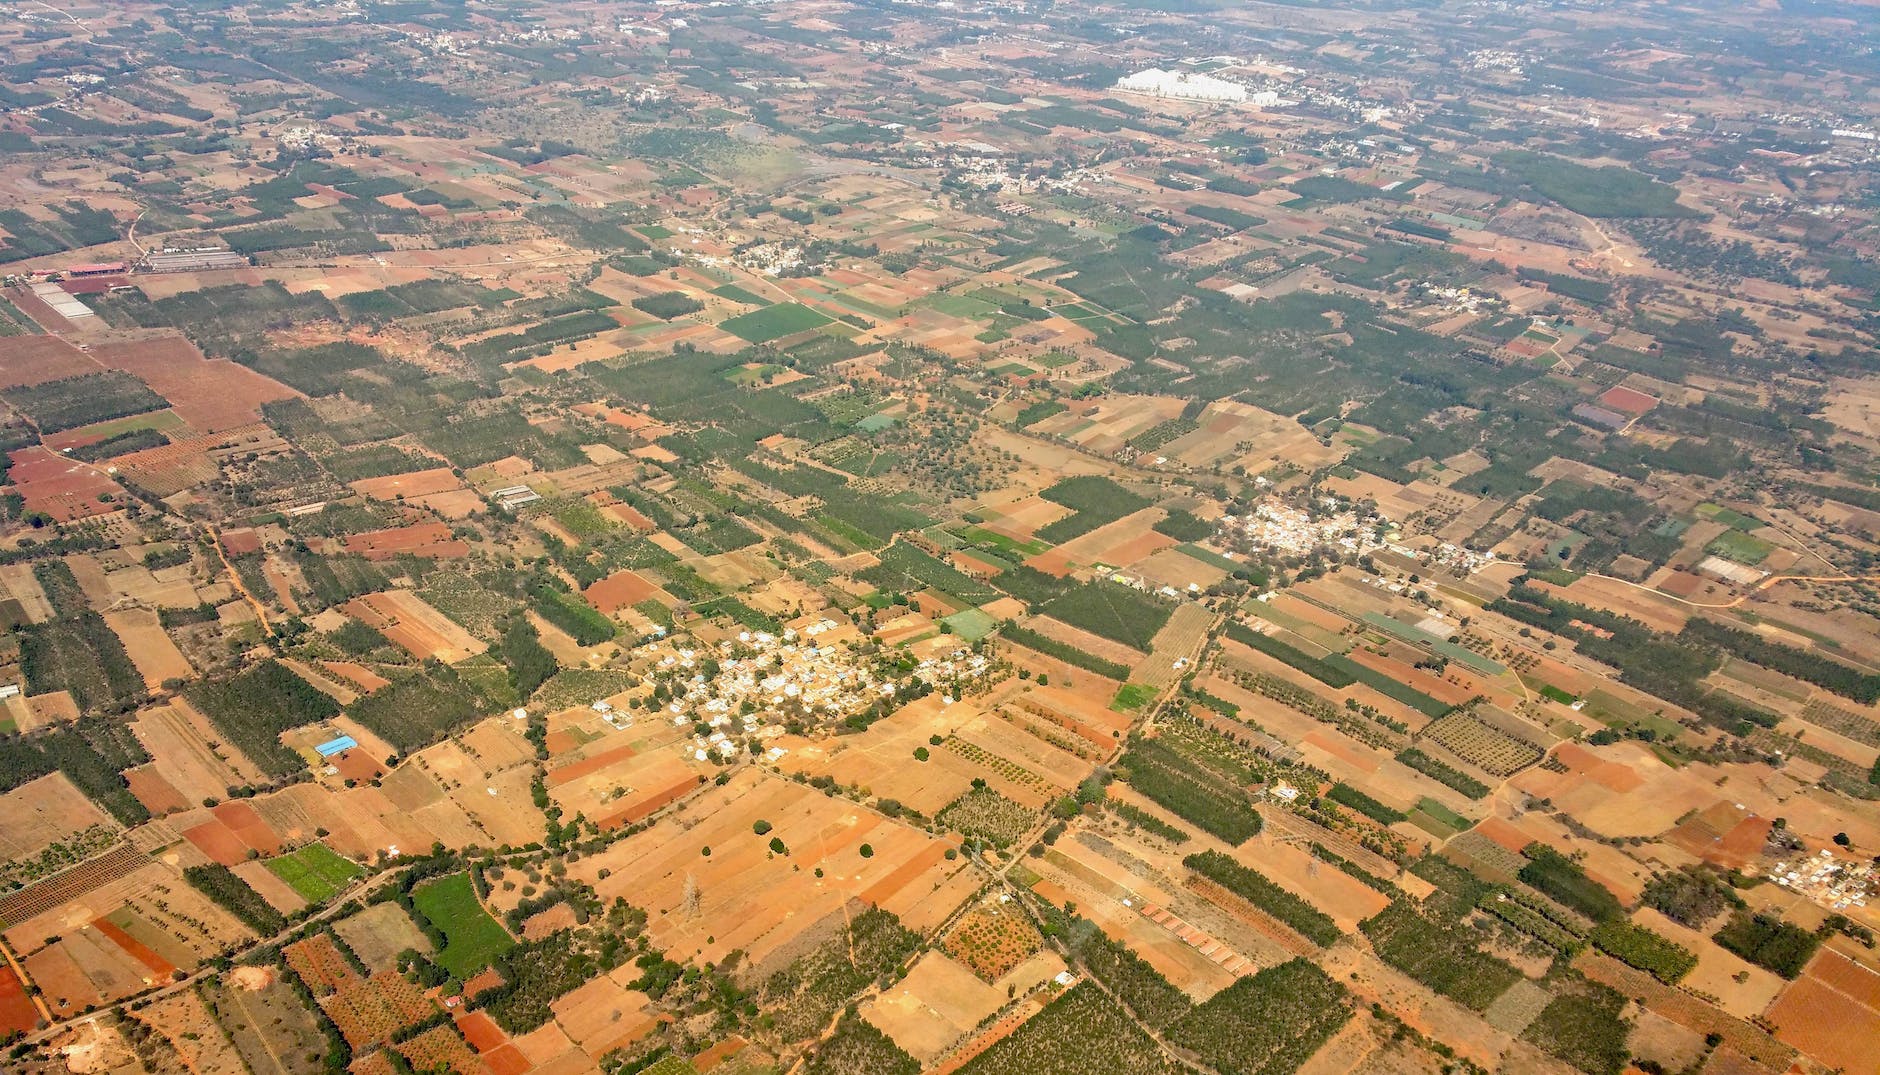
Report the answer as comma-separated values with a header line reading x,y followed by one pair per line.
x,y
472,939
773,322
314,871
268,1025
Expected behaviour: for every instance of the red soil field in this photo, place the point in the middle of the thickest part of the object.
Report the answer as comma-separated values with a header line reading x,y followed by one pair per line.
x,y
212,396
219,842
63,983
28,360
1133,549
481,1032
160,969
480,982
617,591
93,285
357,766
932,606
627,514
1829,1026
240,542
507,1060
1441,690
579,769
157,794
1627,401
16,1008
1682,584
1504,834
357,674
1839,972
644,807
1612,776
1051,562
424,539
907,871
718,1054
972,565
247,825
62,488
1744,843
416,483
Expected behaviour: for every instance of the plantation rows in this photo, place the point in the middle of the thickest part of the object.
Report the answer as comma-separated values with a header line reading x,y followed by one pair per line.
x,y
1095,502
1113,611
1489,749
1638,947
1267,1024
1304,701
806,994
255,707
1443,773
1192,792
1325,673
1080,1032
1063,651
1254,887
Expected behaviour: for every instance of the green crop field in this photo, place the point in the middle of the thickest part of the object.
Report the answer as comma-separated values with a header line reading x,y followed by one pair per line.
x,y
971,624
1132,696
773,322
738,294
472,939
979,535
1735,520
1738,546
315,871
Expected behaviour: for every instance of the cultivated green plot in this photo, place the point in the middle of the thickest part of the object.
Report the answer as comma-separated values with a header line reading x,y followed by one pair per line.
x,y
971,624
1738,546
472,939
315,871
1132,696
738,294
773,322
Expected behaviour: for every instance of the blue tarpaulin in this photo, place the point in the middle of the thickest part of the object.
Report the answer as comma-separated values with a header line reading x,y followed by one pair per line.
x,y
336,746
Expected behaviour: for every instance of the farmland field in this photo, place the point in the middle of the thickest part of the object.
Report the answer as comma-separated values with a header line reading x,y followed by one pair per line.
x,y
1112,611
472,939
1492,750
80,401
761,539
1079,1032
991,940
1269,1023
988,815
773,322
314,871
